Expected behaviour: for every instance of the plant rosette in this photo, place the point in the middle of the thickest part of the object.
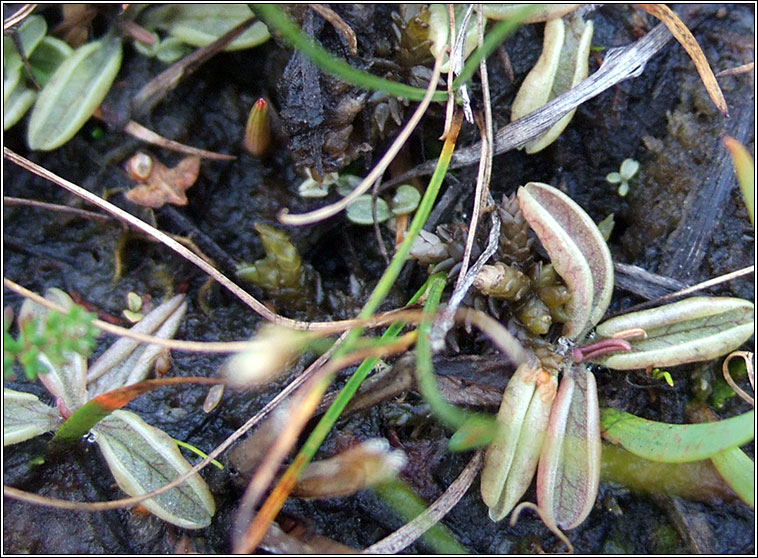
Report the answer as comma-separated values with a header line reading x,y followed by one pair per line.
x,y
141,457
556,429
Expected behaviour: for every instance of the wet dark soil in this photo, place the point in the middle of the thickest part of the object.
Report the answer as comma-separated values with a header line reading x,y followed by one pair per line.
x,y
663,119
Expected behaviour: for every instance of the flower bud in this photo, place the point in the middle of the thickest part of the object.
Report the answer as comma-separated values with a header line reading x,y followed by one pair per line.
x,y
258,129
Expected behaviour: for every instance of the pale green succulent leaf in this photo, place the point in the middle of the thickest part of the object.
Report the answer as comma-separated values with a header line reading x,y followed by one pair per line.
x,y
74,91
47,57
25,416
569,468
738,470
17,105
511,458
199,25
577,251
692,330
676,443
127,361
563,64
30,33
142,459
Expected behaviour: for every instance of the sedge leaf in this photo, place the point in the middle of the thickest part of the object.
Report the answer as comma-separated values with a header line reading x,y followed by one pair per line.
x,y
74,91
676,443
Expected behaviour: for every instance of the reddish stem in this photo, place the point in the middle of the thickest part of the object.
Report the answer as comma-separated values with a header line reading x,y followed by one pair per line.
x,y
582,354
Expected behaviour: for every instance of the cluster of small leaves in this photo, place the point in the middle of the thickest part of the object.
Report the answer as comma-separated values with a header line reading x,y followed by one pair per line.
x,y
54,337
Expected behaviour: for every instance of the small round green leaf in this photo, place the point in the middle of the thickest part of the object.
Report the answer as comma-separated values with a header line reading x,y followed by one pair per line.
x,y
20,101
30,34
360,213
405,200
76,89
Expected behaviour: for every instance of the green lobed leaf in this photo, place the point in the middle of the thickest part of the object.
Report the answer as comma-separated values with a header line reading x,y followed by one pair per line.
x,y
738,471
128,361
511,458
577,251
199,25
25,416
143,458
74,91
692,330
675,443
569,470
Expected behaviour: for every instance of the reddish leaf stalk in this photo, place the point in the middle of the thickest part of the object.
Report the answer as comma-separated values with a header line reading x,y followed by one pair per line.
x,y
583,354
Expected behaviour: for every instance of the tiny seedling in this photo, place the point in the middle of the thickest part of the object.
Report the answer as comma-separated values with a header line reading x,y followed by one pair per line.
x,y
627,170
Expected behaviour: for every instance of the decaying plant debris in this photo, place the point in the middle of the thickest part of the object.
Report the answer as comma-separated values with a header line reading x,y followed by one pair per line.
x,y
683,221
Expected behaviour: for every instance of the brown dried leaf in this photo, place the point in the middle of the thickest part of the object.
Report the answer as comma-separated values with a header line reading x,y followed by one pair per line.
x,y
165,185
689,43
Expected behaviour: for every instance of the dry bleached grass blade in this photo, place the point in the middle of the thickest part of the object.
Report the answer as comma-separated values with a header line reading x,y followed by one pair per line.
x,y
407,535
9,201
140,132
19,16
619,64
690,44
331,210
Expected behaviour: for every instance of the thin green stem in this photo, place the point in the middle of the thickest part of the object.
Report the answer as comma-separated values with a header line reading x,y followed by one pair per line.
x,y
275,17
196,451
448,414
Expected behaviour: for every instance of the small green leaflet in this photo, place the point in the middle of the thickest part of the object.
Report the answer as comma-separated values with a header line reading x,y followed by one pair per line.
x,y
74,91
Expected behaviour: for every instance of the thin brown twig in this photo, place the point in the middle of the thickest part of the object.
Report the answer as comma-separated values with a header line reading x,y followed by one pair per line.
x,y
331,210
339,24
10,201
743,69
138,131
411,531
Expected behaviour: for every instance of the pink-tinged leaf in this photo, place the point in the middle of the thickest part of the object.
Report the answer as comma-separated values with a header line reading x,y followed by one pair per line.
x,y
577,250
511,459
692,330
569,470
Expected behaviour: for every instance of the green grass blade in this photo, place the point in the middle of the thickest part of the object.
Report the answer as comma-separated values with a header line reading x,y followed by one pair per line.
x,y
275,18
675,443
738,471
408,505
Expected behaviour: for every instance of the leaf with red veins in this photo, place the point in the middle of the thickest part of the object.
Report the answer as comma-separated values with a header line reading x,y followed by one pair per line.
x,y
577,250
569,470
692,330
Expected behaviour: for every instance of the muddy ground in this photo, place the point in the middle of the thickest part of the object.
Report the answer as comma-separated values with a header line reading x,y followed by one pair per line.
x,y
663,119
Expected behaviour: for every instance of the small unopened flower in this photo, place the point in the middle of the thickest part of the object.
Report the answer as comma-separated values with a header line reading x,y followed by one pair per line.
x,y
269,354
